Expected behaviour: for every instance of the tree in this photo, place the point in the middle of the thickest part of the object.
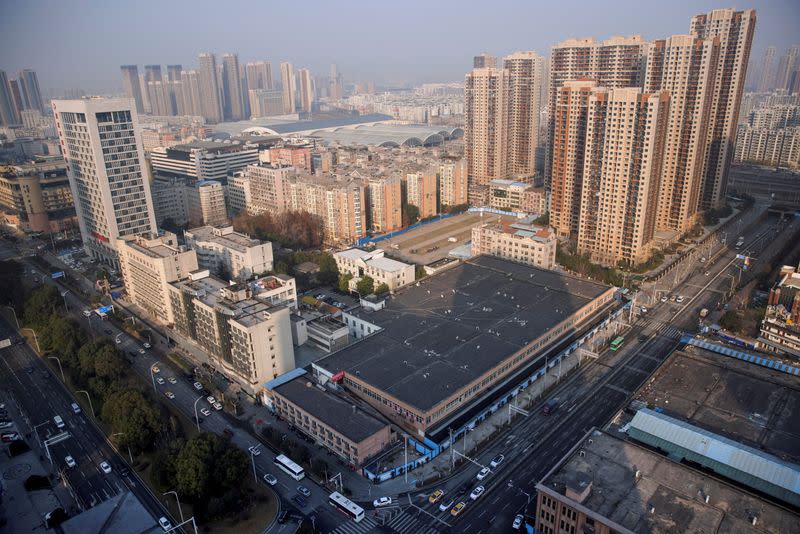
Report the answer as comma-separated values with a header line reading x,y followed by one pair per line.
x,y
100,359
543,219
40,305
382,289
210,466
410,214
458,208
328,271
130,413
63,335
344,282
12,291
365,286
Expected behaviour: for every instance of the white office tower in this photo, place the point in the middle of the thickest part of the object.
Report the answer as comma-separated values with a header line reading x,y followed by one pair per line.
x,y
102,145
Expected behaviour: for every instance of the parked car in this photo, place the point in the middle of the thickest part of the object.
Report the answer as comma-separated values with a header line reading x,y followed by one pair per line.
x,y
198,386
165,524
205,411
170,395
7,424
70,461
518,519
497,460
270,479
8,437
160,381
483,473
105,467
211,399
172,380
477,492
156,369
142,351
382,501
679,299
146,345
217,406
664,298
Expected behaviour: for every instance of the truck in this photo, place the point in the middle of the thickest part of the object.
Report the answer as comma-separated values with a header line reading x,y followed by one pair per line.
x,y
704,313
550,406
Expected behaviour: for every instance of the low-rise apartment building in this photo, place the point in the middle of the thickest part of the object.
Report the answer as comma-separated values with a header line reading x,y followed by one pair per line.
x,y
780,328
359,263
277,289
224,251
507,195
521,242
148,265
248,339
335,423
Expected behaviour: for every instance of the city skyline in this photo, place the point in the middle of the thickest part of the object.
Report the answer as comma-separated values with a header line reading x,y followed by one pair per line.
x,y
375,46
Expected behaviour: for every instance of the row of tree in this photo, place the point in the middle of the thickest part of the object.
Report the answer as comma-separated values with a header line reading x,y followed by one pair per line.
x,y
293,229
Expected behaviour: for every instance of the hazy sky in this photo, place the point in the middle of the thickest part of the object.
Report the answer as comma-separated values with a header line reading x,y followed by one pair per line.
x,y
81,44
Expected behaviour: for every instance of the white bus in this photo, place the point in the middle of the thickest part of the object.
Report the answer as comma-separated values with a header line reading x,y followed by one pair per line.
x,y
289,467
347,506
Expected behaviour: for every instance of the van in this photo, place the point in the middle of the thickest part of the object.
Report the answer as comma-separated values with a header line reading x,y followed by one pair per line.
x,y
550,406
76,408
58,421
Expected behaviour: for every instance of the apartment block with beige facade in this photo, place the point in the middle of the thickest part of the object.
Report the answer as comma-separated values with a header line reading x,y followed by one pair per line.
x,y
624,144
421,192
340,203
205,203
269,188
223,250
238,194
452,178
376,265
521,242
486,94
507,195
148,265
249,340
385,199
332,421
525,71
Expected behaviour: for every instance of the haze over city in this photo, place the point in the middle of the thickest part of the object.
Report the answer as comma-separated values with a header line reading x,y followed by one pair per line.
x,y
393,44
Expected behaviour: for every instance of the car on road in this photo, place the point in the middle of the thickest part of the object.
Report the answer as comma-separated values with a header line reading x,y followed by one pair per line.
x,y
664,298
118,341
445,505
160,380
142,351
270,479
205,411
299,500
211,399
156,369
165,524
198,386
458,508
105,467
146,345
679,299
518,519
217,406
254,450
435,496
172,380
477,492
497,460
170,395
304,491
382,501
70,461
483,473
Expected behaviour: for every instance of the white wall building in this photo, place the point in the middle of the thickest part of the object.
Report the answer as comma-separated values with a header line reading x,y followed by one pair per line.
x,y
382,270
220,249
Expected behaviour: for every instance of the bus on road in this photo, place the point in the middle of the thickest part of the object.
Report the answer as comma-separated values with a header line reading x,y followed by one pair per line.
x,y
346,506
617,343
289,467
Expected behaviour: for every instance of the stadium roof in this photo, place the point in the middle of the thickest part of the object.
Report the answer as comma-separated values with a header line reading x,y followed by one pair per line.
x,y
389,135
290,125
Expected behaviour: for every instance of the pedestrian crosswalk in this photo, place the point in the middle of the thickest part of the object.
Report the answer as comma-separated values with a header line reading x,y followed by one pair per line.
x,y
663,328
402,523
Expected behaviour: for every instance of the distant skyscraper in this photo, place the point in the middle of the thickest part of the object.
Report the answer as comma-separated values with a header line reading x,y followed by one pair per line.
x,y
112,197
787,67
130,84
210,103
287,79
8,111
232,88
17,96
152,73
525,78
159,100
735,31
190,85
259,75
767,80
306,90
484,61
175,89
174,73
486,94
335,89
30,85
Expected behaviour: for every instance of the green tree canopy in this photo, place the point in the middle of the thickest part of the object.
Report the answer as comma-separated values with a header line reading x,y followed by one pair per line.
x,y
207,466
382,289
40,305
365,286
65,336
344,282
129,412
410,214
328,271
11,289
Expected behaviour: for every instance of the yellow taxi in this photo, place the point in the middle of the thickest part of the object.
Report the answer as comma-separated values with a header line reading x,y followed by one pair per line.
x,y
435,496
458,508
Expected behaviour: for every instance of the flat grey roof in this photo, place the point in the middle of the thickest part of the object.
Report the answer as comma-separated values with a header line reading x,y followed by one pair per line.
x,y
121,514
331,409
452,327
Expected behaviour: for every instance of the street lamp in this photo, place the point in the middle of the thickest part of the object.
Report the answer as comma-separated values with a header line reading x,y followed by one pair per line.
x,y
59,367
88,397
196,418
15,315
35,339
64,296
253,460
129,447
177,500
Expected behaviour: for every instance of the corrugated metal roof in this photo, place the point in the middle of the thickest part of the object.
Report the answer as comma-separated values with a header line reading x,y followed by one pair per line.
x,y
285,377
718,448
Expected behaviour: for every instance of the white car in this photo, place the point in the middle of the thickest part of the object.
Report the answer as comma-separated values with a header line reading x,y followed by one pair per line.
x,y
446,505
679,299
172,380
198,386
518,519
254,450
146,345
118,341
160,380
165,524
170,395
211,399
70,461
664,298
644,310
477,492
483,473
105,467
217,406
142,351
497,460
205,411
382,501
270,479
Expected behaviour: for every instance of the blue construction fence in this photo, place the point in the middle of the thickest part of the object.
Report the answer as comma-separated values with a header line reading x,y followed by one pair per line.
x,y
743,356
